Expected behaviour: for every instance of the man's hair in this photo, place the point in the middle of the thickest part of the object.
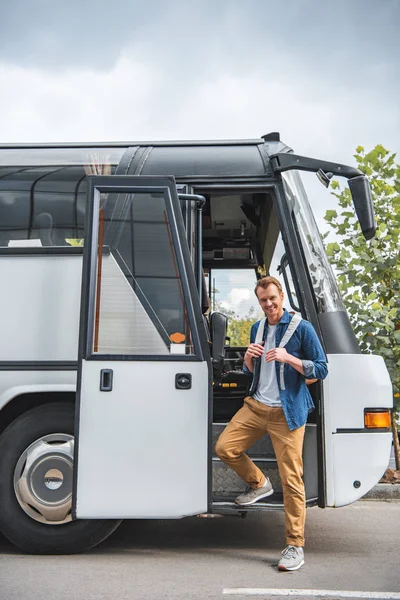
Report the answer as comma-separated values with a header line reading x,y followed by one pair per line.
x,y
265,282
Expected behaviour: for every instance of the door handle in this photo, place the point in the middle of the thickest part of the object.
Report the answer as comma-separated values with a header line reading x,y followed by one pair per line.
x,y
106,380
183,381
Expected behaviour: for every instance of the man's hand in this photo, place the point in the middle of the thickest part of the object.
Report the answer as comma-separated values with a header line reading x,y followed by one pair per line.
x,y
281,356
253,351
278,354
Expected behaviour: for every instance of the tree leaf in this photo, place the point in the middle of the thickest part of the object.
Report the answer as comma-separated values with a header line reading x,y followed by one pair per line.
x,y
368,273
330,214
332,248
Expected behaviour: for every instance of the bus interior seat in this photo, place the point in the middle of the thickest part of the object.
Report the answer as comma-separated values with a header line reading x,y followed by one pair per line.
x,y
44,223
48,235
218,330
207,330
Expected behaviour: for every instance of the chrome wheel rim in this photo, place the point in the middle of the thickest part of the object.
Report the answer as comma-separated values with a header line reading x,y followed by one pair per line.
x,y
43,479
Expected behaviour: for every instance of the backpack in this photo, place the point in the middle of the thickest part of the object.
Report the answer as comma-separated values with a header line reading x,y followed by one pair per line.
x,y
294,323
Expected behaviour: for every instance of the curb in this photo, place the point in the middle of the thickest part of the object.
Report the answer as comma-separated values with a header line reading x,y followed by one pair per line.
x,y
383,491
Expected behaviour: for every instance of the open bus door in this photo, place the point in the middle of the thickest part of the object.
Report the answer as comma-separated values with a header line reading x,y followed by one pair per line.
x,y
354,406
143,395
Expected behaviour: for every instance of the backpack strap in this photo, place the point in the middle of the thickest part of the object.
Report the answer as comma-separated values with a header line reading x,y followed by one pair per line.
x,y
260,331
294,323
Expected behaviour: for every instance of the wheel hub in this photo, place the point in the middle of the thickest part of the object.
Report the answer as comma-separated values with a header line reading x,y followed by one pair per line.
x,y
43,479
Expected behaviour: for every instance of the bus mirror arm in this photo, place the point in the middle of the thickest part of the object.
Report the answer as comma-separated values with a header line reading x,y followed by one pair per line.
x,y
359,185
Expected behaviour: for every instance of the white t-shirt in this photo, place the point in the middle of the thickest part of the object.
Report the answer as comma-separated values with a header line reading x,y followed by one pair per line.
x,y
267,391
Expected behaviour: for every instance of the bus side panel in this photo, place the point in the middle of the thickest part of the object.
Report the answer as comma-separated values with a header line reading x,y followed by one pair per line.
x,y
15,383
355,458
357,461
39,307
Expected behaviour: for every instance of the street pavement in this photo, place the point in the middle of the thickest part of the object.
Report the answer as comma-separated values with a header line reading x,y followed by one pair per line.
x,y
355,548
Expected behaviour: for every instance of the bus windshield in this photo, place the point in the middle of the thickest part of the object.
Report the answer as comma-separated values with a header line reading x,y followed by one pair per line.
x,y
322,278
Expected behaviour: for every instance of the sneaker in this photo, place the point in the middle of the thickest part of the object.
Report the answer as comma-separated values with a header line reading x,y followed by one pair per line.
x,y
293,558
251,495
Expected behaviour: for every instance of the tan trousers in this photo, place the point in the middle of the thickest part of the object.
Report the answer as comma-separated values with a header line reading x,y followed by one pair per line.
x,y
250,423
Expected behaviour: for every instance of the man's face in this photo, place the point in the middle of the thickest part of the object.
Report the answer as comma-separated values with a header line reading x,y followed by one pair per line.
x,y
271,301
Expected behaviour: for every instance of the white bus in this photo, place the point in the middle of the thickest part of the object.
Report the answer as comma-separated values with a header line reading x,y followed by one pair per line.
x,y
114,384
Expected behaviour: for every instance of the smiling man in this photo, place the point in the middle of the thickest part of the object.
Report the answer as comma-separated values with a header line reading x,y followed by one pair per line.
x,y
284,350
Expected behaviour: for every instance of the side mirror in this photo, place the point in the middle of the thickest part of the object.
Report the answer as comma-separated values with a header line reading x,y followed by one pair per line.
x,y
358,183
362,200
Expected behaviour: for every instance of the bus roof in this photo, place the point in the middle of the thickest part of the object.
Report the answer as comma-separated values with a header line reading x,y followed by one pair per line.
x,y
269,137
204,158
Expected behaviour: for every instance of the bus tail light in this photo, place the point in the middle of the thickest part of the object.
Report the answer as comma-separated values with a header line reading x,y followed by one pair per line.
x,y
377,419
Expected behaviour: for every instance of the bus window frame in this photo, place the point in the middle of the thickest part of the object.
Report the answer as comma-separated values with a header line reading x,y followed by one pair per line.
x,y
98,184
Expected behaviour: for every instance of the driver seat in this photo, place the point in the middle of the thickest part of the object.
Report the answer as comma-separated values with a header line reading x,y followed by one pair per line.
x,y
218,331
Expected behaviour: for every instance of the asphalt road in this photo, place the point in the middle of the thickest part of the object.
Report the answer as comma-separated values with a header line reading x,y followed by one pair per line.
x,y
352,548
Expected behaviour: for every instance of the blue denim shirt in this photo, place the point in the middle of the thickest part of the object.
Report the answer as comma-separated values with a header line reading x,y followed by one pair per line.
x,y
304,344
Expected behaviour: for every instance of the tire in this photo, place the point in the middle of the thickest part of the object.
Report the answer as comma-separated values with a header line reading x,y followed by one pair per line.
x,y
16,524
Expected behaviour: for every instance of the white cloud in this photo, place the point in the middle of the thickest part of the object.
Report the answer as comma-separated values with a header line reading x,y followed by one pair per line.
x,y
74,105
238,295
235,290
134,100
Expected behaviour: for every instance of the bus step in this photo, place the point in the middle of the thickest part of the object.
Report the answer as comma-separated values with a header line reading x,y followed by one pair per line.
x,y
275,502
227,485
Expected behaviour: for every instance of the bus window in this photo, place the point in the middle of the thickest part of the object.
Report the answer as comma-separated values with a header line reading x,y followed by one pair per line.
x,y
323,281
59,157
42,204
232,293
43,199
140,300
280,268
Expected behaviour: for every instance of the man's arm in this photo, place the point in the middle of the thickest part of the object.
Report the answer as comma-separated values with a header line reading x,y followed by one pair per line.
x,y
281,355
314,366
315,362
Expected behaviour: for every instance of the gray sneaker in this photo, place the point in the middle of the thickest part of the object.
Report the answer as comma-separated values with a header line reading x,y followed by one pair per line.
x,y
293,559
251,495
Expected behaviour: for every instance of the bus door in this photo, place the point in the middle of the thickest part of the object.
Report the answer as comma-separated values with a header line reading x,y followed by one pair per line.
x,y
355,437
144,382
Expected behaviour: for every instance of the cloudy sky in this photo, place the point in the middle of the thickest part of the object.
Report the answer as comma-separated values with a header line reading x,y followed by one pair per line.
x,y
324,73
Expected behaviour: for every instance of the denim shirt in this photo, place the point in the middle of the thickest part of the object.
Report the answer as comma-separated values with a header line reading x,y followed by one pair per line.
x,y
304,344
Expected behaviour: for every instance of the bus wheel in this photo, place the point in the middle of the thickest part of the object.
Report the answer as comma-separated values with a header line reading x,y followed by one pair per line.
x,y
36,474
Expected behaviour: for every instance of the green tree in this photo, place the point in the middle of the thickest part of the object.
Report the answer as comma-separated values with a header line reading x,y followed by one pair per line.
x,y
238,327
369,272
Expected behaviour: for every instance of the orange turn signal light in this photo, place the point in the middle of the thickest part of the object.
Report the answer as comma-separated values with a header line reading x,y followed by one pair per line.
x,y
377,420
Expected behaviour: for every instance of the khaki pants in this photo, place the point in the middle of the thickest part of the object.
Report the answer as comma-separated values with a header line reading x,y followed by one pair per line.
x,y
250,423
